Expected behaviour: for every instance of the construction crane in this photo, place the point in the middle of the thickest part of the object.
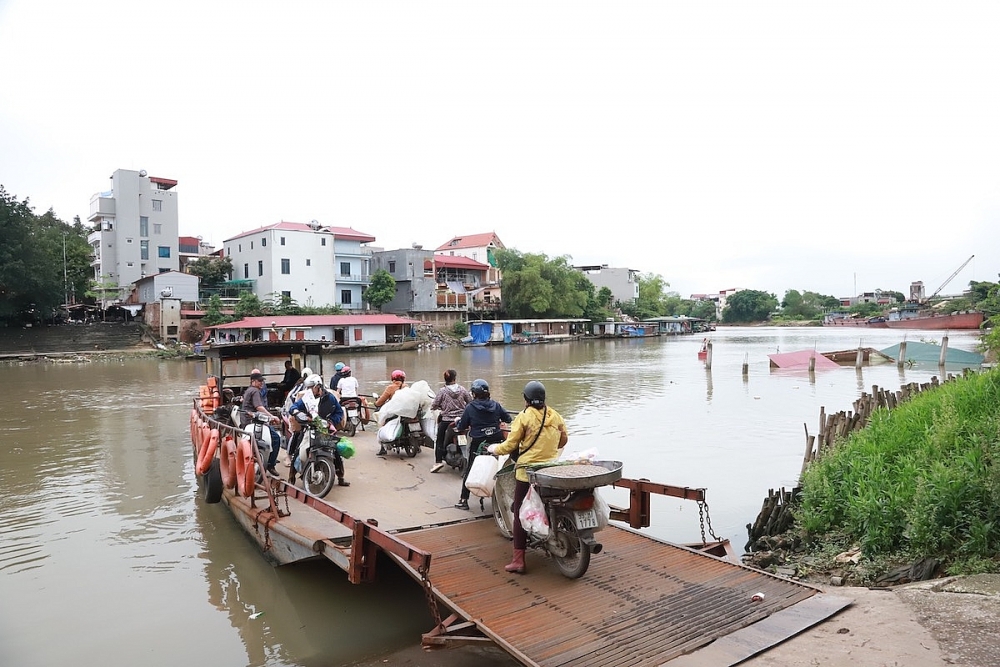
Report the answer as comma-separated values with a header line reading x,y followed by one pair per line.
x,y
950,278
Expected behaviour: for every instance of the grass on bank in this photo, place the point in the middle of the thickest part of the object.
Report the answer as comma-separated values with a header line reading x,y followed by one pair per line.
x,y
920,481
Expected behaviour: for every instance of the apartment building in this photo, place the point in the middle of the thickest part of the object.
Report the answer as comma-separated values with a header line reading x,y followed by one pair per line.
x,y
135,232
623,283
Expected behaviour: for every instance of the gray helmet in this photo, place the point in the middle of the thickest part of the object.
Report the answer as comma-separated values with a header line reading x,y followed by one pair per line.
x,y
534,394
480,389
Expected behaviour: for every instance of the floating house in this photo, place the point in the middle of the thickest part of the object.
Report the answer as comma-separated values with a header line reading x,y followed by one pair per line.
x,y
508,332
353,331
679,324
626,329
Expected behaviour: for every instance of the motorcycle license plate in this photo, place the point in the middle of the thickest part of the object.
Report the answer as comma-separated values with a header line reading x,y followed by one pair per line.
x,y
352,413
587,519
413,426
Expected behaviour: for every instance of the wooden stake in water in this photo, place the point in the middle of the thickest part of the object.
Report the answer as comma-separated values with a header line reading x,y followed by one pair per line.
x,y
944,350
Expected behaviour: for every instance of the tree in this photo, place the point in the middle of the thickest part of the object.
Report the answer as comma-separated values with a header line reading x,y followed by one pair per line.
x,y
704,309
652,301
211,270
381,290
807,305
249,305
213,314
749,306
536,286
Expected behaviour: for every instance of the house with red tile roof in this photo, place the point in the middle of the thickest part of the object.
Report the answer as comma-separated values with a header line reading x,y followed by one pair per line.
x,y
341,330
478,247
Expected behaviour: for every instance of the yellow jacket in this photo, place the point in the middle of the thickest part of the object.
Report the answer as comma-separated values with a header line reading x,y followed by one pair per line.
x,y
522,432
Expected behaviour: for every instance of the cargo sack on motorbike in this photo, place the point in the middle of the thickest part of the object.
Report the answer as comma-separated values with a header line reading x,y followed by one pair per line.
x,y
480,479
429,422
602,510
532,514
390,431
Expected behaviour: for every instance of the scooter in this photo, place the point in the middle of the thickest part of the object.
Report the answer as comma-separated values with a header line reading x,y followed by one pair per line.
x,y
570,510
352,411
456,449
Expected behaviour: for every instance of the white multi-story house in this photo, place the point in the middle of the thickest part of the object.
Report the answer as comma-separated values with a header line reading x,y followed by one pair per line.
x,y
135,232
623,283
310,264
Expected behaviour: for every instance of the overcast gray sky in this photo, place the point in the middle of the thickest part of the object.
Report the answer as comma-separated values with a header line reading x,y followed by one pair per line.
x,y
764,145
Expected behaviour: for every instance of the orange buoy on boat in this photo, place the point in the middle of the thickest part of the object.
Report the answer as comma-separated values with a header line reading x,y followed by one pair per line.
x,y
227,462
207,452
245,467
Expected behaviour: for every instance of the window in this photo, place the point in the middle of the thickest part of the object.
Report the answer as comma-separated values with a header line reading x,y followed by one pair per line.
x,y
143,249
345,268
358,334
309,262
163,251
322,241
286,266
157,204
130,264
229,251
240,247
392,266
345,297
286,296
157,228
251,245
246,271
282,240
143,226
263,242
260,268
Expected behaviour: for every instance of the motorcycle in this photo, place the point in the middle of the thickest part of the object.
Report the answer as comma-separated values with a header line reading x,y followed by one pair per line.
x,y
456,448
407,436
352,411
315,460
570,510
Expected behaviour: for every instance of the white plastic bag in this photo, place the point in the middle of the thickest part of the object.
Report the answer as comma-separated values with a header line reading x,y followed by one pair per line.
x,y
480,479
390,430
429,422
533,518
603,511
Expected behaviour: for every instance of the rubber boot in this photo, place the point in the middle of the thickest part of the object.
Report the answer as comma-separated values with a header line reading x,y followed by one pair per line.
x,y
516,565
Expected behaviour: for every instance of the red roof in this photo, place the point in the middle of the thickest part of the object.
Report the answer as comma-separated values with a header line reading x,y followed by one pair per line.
x,y
169,182
301,321
472,241
456,261
189,240
346,233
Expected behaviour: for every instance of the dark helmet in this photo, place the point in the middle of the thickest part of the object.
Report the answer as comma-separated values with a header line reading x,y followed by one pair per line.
x,y
345,371
534,394
480,389
398,375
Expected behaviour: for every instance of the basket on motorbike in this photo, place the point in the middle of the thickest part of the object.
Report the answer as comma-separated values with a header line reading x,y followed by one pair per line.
x,y
576,475
325,441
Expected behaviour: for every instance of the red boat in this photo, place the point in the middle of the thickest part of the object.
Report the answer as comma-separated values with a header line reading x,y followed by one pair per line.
x,y
908,319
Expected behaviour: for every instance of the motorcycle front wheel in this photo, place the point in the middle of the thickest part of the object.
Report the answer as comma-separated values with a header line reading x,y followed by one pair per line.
x,y
502,514
577,554
318,476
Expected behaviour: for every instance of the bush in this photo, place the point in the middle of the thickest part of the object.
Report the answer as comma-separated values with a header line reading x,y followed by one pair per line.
x,y
460,329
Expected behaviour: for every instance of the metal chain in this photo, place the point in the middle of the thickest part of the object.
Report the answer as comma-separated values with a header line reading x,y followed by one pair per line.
x,y
429,594
703,518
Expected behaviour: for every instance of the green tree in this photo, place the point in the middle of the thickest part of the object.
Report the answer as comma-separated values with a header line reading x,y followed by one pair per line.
x,y
704,309
213,314
381,290
536,286
604,297
653,299
249,305
212,270
749,306
806,305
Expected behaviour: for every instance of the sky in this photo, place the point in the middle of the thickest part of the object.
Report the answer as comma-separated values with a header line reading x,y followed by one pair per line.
x,y
834,147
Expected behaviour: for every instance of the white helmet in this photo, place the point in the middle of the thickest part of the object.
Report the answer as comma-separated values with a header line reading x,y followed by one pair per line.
x,y
306,372
312,381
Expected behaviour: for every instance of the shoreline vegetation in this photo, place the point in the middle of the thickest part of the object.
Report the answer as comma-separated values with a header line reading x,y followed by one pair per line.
x,y
913,495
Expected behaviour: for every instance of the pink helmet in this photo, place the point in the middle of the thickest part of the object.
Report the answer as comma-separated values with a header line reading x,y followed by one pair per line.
x,y
398,375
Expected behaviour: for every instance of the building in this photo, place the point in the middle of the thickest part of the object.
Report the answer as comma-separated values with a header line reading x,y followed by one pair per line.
x,y
623,283
310,264
478,247
352,331
438,289
167,301
190,248
135,232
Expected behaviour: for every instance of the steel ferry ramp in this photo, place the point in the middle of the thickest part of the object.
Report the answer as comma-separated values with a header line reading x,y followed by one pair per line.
x,y
642,602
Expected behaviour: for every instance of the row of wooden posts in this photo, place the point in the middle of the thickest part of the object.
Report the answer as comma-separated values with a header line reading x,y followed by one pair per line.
x,y
858,362
775,516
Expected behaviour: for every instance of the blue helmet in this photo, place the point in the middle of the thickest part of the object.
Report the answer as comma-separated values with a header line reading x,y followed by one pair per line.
x,y
338,366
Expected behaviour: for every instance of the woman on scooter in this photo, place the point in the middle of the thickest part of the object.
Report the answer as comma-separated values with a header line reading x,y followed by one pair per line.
x,y
451,400
325,406
482,417
537,435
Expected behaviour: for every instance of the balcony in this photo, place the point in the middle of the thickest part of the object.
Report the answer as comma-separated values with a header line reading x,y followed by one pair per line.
x,y
101,207
353,279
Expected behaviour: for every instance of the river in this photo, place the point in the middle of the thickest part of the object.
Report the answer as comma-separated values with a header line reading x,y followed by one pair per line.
x,y
108,552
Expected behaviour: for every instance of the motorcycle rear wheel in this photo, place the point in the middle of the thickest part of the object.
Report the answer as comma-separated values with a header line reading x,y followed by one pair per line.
x,y
352,428
318,476
577,559
502,515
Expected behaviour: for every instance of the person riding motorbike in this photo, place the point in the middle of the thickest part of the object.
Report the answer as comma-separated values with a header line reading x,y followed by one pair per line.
x,y
482,417
348,385
254,401
451,400
397,382
338,374
537,435
326,407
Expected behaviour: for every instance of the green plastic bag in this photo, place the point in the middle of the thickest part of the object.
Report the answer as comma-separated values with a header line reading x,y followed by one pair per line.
x,y
346,448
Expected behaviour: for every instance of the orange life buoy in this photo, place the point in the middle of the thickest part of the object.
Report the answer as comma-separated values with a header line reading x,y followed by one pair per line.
x,y
245,467
208,452
227,462
206,435
192,422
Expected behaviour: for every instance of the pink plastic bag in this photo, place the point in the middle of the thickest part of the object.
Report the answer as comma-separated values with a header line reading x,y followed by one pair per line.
x,y
532,515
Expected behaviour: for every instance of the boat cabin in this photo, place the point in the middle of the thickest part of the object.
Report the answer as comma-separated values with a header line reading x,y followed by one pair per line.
x,y
232,364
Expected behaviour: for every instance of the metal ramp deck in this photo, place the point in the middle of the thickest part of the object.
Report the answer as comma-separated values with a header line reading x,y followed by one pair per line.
x,y
642,602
